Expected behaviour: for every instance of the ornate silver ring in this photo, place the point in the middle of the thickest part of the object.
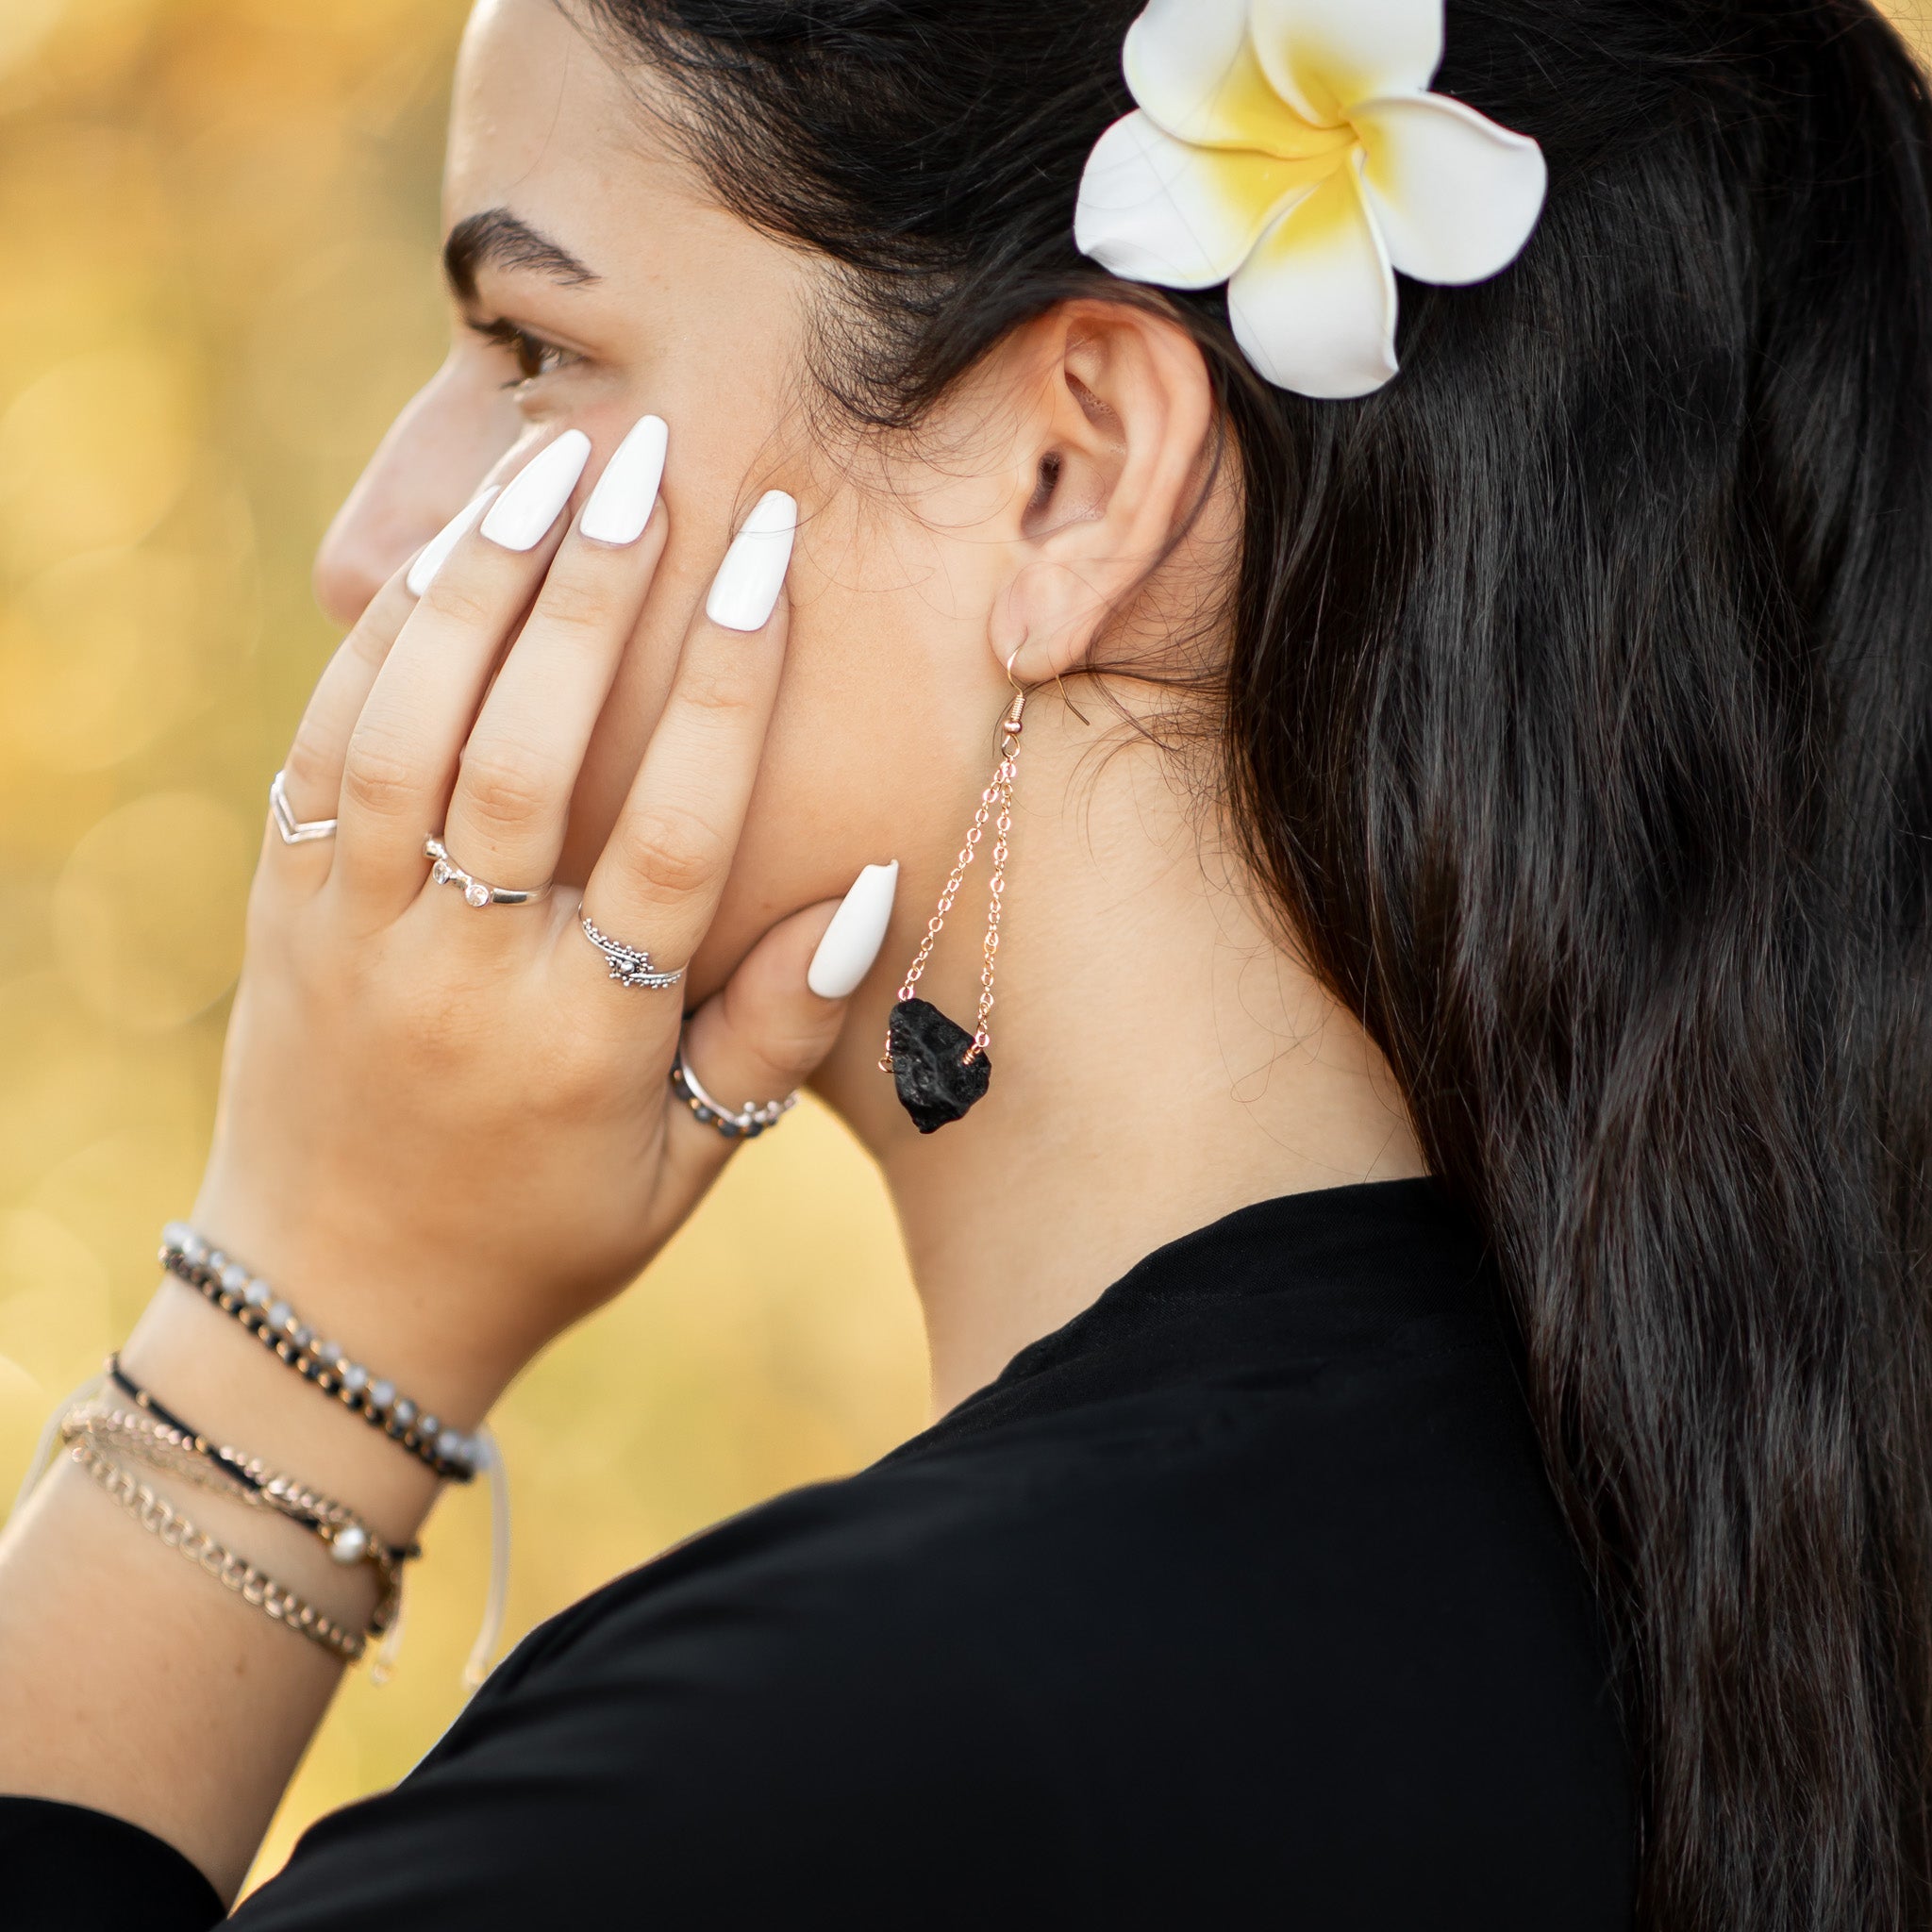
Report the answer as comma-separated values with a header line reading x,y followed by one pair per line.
x,y
628,966
294,831
477,892
746,1123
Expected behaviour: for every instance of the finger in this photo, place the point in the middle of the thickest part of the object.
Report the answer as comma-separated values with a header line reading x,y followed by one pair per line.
x,y
312,773
314,768
656,883
760,1038
402,755
520,766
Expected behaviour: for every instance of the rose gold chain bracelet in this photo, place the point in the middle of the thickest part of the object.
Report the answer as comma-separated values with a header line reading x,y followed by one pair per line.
x,y
161,1519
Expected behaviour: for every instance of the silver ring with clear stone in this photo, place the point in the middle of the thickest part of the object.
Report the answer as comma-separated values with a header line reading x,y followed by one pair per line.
x,y
477,892
628,966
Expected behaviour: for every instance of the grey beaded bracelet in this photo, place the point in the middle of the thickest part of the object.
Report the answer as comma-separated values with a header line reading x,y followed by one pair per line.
x,y
229,1286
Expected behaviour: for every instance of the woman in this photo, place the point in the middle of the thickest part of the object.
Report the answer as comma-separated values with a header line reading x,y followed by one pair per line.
x,y
1459,799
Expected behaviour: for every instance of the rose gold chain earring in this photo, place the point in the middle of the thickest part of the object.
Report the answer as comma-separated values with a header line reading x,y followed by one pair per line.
x,y
938,1067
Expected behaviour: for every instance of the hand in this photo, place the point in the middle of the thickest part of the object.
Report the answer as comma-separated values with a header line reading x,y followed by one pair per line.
x,y
447,1129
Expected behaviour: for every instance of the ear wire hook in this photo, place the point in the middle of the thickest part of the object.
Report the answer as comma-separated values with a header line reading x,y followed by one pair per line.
x,y
1010,726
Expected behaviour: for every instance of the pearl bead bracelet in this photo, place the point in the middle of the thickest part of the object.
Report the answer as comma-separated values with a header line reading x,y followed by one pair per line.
x,y
154,1435
229,1286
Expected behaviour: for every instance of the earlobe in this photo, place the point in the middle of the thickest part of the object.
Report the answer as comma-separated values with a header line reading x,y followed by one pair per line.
x,y
1115,461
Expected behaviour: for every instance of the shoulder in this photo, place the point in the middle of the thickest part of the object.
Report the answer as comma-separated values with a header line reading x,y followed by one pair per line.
x,y
1316,1635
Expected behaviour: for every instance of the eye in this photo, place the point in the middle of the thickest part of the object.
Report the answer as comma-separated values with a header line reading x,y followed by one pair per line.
x,y
532,356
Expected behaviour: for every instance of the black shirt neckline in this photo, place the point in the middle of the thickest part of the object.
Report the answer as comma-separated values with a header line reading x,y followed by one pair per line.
x,y
1333,1269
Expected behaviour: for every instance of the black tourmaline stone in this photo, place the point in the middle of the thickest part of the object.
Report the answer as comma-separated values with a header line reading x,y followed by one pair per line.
x,y
937,1082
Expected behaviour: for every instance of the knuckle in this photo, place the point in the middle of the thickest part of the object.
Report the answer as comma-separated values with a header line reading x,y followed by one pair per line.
x,y
673,851
457,602
789,1033
789,1050
575,606
379,778
311,762
508,784
369,643
716,688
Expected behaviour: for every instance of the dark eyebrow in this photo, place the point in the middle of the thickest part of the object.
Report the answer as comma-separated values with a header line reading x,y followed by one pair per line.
x,y
497,238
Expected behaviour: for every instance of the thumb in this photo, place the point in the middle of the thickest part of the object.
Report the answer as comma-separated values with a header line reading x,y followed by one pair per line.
x,y
779,1014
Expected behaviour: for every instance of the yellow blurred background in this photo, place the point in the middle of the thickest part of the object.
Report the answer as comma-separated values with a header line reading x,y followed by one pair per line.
x,y
218,229
218,225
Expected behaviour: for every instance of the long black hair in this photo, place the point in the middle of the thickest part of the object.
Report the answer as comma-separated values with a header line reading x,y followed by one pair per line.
x,y
1577,709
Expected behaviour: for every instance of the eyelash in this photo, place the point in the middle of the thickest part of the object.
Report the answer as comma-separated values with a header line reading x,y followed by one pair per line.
x,y
534,357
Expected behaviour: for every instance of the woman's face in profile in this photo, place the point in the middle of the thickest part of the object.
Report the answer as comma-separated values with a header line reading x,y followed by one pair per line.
x,y
593,283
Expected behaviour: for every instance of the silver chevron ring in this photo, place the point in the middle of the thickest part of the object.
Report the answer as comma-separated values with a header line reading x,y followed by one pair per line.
x,y
628,966
476,892
294,831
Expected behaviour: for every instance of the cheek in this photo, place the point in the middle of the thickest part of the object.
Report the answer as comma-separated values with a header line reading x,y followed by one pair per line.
x,y
849,779
857,772
823,809
879,749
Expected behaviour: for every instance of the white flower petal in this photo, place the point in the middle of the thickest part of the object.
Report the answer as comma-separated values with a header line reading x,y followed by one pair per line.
x,y
1179,56
1194,72
1456,196
1156,209
1324,56
1313,306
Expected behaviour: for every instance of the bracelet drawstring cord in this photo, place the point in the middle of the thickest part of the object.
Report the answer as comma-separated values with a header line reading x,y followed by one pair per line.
x,y
491,1465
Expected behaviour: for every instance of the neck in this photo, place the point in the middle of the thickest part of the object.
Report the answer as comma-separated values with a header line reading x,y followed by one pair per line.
x,y
1158,1060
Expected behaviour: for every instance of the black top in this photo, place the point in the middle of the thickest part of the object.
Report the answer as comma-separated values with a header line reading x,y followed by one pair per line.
x,y
1244,1596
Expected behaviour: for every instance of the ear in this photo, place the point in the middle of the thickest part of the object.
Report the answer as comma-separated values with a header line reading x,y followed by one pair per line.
x,y
1116,414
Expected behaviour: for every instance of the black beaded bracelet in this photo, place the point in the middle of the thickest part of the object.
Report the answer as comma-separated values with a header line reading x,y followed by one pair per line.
x,y
313,1512
229,1286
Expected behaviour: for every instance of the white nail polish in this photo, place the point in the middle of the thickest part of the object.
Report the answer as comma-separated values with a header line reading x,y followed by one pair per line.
x,y
745,591
522,516
627,493
435,553
858,930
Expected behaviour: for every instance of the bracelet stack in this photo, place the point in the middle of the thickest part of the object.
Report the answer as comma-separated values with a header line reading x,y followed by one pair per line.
x,y
104,1439
119,1431
158,1438
229,1286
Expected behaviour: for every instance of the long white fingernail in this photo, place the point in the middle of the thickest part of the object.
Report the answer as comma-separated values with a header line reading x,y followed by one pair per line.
x,y
858,930
522,516
435,553
627,493
745,591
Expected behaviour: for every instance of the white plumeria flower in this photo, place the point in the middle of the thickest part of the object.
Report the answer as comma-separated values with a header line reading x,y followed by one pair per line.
x,y
1292,149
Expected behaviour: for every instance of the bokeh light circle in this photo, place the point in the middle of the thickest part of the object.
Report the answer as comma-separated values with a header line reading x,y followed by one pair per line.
x,y
148,915
94,454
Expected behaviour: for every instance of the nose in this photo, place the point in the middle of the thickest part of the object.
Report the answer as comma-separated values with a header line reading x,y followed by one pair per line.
x,y
425,469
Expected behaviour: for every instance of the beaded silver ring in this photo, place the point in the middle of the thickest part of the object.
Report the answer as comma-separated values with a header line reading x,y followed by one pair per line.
x,y
746,1123
629,965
